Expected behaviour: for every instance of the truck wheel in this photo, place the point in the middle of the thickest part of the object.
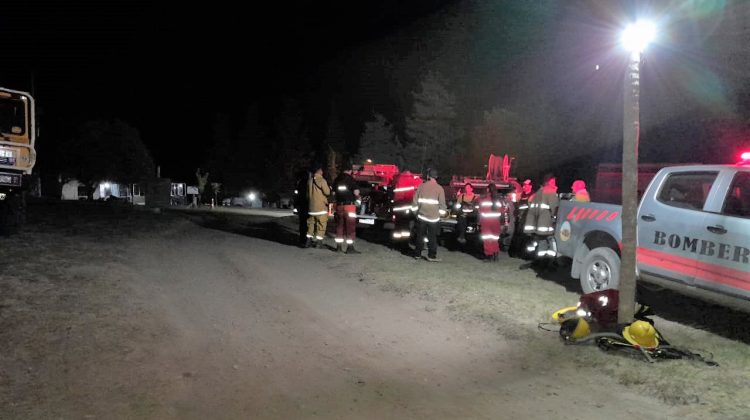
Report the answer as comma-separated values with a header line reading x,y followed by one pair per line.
x,y
12,214
600,270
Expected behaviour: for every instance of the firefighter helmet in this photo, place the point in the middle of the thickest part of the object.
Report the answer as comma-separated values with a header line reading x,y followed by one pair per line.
x,y
574,329
641,333
565,313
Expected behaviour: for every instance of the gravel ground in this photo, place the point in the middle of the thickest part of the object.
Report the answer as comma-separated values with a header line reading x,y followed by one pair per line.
x,y
106,312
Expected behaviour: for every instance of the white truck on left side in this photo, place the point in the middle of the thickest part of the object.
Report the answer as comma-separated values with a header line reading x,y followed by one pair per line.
x,y
17,155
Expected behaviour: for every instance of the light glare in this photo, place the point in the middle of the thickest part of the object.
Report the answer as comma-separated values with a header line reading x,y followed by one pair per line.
x,y
637,36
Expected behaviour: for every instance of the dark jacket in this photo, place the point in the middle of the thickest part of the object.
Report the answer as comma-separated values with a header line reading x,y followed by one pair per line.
x,y
345,189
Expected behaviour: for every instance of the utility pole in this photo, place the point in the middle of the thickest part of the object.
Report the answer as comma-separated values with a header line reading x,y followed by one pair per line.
x,y
631,138
635,38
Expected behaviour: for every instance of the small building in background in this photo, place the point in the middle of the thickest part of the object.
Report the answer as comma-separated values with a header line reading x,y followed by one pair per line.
x,y
76,190
138,194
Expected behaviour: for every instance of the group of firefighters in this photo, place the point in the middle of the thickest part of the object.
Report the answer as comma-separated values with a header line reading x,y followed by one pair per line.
x,y
424,203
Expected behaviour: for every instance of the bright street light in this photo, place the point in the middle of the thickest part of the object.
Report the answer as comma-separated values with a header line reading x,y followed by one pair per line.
x,y
635,38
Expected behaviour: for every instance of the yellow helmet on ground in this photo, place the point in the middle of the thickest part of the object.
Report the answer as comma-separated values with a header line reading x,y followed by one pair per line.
x,y
641,333
574,329
565,314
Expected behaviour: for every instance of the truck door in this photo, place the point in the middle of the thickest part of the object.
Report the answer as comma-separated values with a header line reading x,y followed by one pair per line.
x,y
724,266
668,244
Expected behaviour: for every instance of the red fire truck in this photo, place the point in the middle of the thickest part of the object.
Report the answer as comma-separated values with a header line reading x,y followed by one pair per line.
x,y
386,197
508,188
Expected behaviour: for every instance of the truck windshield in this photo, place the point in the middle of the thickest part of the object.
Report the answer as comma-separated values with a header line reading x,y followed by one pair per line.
x,y
12,116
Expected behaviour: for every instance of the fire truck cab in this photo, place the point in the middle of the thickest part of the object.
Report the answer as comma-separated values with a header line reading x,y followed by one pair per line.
x,y
17,155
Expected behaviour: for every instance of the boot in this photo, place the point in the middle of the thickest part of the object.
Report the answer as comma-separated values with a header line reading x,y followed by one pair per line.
x,y
308,243
339,248
351,250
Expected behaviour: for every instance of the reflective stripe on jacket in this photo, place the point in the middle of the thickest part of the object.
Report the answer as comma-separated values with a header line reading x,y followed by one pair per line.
x,y
429,201
540,216
345,189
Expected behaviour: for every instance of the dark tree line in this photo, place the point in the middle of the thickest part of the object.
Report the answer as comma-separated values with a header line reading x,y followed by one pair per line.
x,y
470,80
105,150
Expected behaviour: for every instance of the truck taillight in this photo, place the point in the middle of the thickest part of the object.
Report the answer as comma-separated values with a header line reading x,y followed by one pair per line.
x,y
745,156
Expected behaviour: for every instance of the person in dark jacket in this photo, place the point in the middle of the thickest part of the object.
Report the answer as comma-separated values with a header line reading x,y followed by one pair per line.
x,y
540,218
346,195
465,202
301,204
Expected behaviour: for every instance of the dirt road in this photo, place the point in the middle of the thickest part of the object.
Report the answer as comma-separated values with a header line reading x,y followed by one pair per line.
x,y
187,322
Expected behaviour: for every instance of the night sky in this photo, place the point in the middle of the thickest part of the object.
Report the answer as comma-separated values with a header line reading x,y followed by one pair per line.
x,y
168,67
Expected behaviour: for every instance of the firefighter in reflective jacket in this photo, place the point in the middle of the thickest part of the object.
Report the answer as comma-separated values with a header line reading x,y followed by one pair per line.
x,y
404,187
317,193
429,204
520,238
527,191
540,218
465,207
493,212
346,192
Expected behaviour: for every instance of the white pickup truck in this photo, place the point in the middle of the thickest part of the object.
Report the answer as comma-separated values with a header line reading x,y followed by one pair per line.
x,y
693,235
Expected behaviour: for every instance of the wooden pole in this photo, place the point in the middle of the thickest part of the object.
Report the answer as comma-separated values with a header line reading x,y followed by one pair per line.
x,y
631,135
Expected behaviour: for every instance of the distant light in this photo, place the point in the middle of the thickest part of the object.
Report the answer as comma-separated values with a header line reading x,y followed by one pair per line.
x,y
596,67
369,161
106,185
745,156
637,36
251,196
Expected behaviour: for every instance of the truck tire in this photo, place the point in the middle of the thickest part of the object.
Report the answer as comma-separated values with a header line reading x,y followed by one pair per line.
x,y
600,270
12,213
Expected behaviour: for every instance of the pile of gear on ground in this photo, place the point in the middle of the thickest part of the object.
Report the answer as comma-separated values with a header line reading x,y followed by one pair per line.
x,y
594,321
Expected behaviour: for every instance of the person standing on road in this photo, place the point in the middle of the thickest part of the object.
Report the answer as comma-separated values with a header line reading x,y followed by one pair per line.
x,y
317,193
429,204
491,209
520,238
541,216
465,202
301,203
404,187
346,193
